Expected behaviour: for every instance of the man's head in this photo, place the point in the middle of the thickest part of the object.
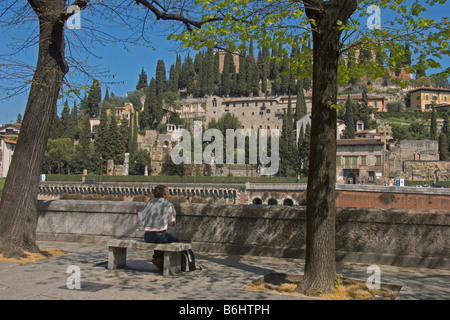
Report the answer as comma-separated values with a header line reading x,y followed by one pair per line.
x,y
160,191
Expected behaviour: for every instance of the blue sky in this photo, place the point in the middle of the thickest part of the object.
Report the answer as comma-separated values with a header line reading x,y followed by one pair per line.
x,y
124,64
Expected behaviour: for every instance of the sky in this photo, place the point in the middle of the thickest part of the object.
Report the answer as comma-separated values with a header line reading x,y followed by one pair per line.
x,y
126,65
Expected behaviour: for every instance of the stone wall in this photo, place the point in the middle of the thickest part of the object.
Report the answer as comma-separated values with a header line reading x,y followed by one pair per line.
x,y
400,237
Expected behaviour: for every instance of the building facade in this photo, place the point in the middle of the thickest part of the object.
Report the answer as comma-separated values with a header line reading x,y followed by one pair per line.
x,y
360,161
253,112
425,98
6,153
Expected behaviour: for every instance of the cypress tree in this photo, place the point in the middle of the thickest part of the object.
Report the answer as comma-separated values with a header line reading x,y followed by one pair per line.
x,y
112,148
142,82
178,69
446,126
349,120
72,123
65,116
122,143
241,84
93,99
173,79
106,98
365,110
188,75
132,136
208,77
433,126
228,65
216,72
288,150
304,150
101,136
300,106
264,67
443,147
252,72
84,150
147,116
160,78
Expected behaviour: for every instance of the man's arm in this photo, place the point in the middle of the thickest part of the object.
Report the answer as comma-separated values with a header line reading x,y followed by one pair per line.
x,y
171,216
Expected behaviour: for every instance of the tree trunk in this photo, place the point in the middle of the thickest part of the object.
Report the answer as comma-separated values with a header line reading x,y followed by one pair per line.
x,y
18,208
320,267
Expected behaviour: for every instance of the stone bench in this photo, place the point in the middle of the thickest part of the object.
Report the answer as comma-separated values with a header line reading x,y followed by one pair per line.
x,y
117,255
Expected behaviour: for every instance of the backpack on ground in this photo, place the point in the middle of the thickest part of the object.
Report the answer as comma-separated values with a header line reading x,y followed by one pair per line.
x,y
188,261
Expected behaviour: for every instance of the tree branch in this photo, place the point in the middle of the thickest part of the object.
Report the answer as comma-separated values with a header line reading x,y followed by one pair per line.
x,y
162,14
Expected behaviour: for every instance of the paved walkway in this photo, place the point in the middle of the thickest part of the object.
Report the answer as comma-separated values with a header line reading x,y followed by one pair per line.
x,y
223,277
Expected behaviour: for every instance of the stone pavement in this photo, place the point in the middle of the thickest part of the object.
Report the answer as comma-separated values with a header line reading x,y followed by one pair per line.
x,y
223,277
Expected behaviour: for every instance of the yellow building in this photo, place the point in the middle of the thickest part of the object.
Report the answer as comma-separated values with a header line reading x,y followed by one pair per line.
x,y
424,98
127,111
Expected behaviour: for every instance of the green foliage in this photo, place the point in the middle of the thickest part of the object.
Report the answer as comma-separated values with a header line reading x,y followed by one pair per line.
x,y
395,106
349,119
443,147
142,82
138,160
433,126
58,155
300,107
93,99
303,147
288,149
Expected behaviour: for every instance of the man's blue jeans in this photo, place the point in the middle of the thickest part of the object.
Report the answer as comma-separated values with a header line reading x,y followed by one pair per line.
x,y
160,237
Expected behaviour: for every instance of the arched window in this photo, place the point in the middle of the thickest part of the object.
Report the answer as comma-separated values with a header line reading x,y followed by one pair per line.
x,y
257,201
272,202
288,202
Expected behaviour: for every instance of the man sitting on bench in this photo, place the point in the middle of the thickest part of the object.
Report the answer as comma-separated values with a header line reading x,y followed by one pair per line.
x,y
157,215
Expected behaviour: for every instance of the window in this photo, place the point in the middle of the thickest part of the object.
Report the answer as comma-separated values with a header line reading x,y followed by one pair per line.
x,y
378,161
267,110
338,160
363,160
351,162
371,176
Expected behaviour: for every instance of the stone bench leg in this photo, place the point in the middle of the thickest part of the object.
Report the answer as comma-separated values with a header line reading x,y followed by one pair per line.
x,y
171,263
117,258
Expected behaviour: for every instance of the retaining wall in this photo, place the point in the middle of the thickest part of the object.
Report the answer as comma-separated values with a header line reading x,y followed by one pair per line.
x,y
382,236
